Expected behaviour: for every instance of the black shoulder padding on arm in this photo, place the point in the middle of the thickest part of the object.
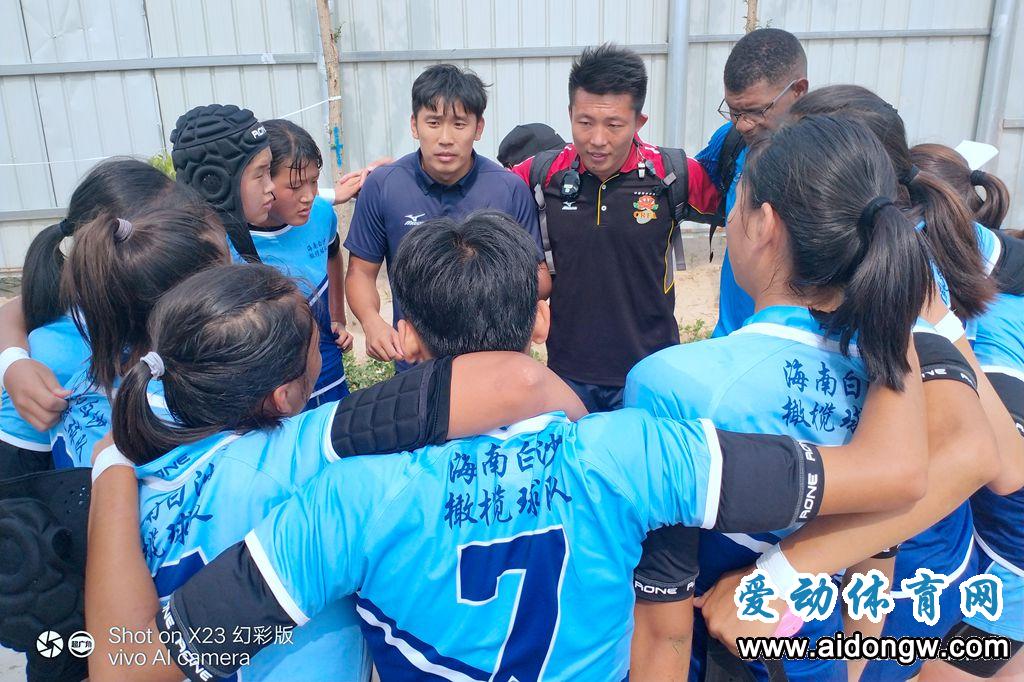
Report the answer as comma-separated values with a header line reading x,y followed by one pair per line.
x,y
406,412
230,593
1011,391
334,246
768,482
669,565
1009,271
940,360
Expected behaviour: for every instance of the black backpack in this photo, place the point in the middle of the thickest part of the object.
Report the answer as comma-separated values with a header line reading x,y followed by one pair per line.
x,y
676,183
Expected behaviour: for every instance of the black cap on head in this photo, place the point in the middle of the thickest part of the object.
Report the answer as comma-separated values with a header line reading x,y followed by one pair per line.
x,y
212,145
525,141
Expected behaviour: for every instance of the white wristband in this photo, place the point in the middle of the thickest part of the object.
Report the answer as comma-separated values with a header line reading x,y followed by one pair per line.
x,y
9,357
326,193
109,456
950,327
779,570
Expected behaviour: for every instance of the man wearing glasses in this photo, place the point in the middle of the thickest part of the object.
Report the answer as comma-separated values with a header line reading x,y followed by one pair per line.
x,y
765,73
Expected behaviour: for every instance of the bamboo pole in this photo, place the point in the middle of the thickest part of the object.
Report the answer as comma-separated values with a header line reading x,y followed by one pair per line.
x,y
333,68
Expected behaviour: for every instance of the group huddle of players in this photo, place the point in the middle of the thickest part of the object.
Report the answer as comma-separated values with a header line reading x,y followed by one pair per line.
x,y
176,344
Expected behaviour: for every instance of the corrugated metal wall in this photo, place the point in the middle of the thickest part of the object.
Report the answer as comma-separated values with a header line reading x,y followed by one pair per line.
x,y
934,81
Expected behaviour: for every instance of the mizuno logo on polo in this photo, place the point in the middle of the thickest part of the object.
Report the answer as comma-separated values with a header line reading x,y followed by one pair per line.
x,y
651,589
257,133
810,497
414,219
568,205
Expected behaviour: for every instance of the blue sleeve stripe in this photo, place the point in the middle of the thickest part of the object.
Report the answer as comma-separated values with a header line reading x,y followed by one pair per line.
x,y
415,651
714,491
273,580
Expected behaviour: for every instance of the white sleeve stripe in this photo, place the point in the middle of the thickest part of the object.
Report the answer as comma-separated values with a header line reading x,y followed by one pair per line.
x,y
714,491
1008,371
259,557
950,327
328,445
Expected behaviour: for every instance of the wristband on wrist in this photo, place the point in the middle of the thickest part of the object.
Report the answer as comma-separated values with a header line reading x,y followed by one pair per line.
x,y
789,624
9,357
782,574
109,456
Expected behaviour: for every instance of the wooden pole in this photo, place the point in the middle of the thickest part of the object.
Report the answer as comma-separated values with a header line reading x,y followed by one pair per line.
x,y
333,68
751,16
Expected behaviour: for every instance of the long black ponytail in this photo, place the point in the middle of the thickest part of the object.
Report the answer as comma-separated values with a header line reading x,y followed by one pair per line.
x,y
225,338
831,182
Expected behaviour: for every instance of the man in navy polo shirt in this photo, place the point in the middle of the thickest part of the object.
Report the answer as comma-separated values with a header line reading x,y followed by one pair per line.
x,y
445,177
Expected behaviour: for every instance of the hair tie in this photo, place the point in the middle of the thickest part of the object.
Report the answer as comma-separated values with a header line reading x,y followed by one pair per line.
x,y
867,216
65,246
978,177
155,363
124,228
66,228
911,175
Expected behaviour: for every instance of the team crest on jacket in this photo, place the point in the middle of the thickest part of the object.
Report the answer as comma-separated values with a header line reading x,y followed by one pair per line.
x,y
645,206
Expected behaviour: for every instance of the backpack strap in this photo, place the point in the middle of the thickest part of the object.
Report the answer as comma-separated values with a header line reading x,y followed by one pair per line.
x,y
677,185
729,154
538,174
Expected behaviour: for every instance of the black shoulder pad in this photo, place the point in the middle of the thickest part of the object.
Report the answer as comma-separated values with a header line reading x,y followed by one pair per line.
x,y
406,412
753,463
1009,271
43,519
541,165
669,565
940,360
1011,391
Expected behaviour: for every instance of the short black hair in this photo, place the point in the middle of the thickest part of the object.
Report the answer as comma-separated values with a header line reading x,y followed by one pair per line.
x,y
291,144
609,70
765,54
468,286
449,84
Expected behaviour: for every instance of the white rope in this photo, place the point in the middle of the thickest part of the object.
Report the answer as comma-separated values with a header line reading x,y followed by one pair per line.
x,y
101,158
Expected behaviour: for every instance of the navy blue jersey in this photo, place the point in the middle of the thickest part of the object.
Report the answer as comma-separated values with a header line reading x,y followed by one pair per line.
x,y
399,196
200,498
60,346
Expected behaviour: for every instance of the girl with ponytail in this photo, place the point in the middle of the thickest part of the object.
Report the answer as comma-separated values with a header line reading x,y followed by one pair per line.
x,y
998,344
121,186
838,276
926,199
233,441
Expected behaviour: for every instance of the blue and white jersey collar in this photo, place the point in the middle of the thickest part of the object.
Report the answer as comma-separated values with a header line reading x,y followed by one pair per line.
x,y
794,323
172,469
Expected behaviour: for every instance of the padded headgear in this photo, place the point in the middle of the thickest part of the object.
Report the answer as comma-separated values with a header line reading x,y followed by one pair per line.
x,y
43,523
212,145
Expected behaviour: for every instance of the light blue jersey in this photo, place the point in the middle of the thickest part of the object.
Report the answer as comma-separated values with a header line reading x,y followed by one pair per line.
x,y
503,556
300,251
201,498
86,420
60,346
776,374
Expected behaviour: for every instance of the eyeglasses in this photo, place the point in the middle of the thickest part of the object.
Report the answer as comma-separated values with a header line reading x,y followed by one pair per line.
x,y
754,117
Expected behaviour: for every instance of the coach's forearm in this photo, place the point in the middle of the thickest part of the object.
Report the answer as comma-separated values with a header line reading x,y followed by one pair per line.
x,y
361,290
